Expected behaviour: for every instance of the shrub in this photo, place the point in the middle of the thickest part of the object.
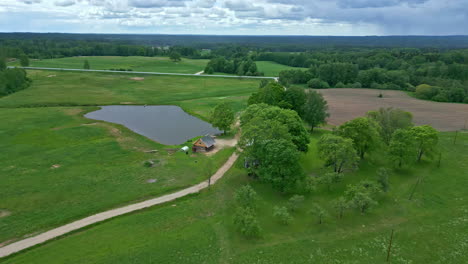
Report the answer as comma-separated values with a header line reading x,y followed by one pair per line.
x,y
319,212
246,222
317,84
382,178
295,202
340,85
466,100
356,85
282,214
246,197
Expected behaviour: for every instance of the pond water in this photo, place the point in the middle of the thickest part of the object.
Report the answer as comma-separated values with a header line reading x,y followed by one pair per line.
x,y
166,124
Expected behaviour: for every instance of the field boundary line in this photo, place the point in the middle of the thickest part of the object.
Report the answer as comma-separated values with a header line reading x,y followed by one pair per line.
x,y
99,217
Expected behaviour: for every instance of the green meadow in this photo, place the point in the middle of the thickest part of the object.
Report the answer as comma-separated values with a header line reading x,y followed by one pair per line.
x,y
429,228
270,68
136,63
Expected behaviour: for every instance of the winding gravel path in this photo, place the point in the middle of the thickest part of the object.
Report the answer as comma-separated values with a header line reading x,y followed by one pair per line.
x,y
60,231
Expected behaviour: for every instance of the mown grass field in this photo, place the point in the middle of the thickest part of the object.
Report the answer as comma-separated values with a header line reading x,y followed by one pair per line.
x,y
57,166
195,94
270,68
430,228
136,63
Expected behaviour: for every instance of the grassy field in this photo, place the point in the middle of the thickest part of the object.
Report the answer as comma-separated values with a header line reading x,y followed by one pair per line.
x,y
430,228
195,94
147,64
57,166
270,68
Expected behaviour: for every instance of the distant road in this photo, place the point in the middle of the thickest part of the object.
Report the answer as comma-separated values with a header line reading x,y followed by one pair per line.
x,y
148,73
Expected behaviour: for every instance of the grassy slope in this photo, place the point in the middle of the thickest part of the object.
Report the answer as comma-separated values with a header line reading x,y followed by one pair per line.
x,y
429,229
101,166
136,63
195,94
270,68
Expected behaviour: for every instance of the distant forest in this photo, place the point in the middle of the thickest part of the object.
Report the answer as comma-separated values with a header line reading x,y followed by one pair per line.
x,y
433,67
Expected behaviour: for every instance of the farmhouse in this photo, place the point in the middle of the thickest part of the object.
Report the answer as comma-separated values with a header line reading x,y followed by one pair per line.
x,y
205,143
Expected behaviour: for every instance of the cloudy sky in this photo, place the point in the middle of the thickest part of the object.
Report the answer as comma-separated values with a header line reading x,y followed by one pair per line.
x,y
234,17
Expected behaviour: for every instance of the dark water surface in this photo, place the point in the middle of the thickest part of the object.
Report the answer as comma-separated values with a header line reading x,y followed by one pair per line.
x,y
166,124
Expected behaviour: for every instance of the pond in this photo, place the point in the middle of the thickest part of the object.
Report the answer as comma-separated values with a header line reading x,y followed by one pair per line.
x,y
166,124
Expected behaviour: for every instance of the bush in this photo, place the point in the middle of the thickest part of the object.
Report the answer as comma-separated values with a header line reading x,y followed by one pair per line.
x,y
295,202
356,85
246,222
441,97
425,91
282,214
317,84
340,85
466,100
246,197
382,178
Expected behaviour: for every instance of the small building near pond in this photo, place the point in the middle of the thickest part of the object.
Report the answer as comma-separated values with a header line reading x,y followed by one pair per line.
x,y
203,144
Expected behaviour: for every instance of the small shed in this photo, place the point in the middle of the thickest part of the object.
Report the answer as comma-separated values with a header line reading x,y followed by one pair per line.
x,y
205,143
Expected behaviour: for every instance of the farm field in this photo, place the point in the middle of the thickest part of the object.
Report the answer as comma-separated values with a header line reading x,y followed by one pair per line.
x,y
270,68
136,63
59,166
196,94
345,104
200,229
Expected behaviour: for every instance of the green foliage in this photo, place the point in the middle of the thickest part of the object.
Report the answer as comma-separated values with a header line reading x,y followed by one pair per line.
x,y
295,202
332,73
362,196
272,94
319,212
425,91
3,65
426,139
295,97
391,119
246,197
247,223
382,178
340,85
24,60
86,65
13,80
402,147
317,84
340,205
175,56
330,178
282,215
337,152
209,70
315,110
240,65
363,131
223,116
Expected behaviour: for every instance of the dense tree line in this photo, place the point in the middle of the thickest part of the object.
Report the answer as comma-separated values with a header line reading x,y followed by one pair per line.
x,y
443,74
239,66
12,80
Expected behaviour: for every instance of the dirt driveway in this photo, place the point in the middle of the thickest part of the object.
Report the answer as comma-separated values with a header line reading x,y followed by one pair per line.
x,y
346,104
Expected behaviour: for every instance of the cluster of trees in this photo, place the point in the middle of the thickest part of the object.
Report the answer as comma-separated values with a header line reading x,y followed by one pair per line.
x,y
396,69
12,80
240,66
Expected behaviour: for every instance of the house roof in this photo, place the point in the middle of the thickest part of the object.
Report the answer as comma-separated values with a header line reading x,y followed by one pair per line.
x,y
208,140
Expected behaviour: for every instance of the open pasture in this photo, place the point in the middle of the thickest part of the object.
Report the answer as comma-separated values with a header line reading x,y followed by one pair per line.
x,y
347,104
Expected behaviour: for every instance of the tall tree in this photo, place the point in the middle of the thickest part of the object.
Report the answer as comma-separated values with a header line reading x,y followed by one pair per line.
x,y
315,109
86,65
296,98
337,152
223,116
426,139
391,119
363,131
402,147
24,60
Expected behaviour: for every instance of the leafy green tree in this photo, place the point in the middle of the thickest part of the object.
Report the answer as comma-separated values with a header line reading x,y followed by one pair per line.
x,y
363,131
246,197
332,73
282,214
425,91
337,152
175,56
382,178
3,65
402,147
340,205
295,202
24,60
209,70
223,116
296,98
315,109
247,223
330,178
426,139
319,212
362,196
391,119
86,65
272,94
